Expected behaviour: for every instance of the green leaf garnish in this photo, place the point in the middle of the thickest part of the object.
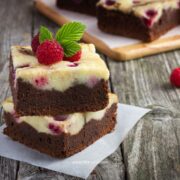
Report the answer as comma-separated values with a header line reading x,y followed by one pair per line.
x,y
70,47
45,34
72,31
67,36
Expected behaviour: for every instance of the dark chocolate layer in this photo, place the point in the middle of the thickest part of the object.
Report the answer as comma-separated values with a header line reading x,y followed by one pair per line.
x,y
82,6
29,100
63,145
129,25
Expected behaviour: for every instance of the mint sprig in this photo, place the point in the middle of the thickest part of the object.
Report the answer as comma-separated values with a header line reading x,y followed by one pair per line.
x,y
70,48
45,34
70,32
67,36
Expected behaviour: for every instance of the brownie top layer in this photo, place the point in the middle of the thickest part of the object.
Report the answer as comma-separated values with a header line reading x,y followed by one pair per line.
x,y
70,124
89,70
151,10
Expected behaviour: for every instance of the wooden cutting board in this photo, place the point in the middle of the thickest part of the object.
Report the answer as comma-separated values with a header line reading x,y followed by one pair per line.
x,y
124,53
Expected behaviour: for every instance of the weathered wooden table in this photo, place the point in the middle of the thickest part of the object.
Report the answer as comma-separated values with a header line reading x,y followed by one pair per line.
x,y
152,148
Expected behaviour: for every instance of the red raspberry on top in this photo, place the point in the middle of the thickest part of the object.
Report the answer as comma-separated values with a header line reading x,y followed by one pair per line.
x,y
175,77
35,43
75,57
49,52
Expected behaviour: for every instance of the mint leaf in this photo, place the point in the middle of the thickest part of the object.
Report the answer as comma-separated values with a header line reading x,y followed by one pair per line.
x,y
70,48
45,34
70,32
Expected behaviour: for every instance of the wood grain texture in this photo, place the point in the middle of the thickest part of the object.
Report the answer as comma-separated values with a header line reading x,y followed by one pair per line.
x,y
152,148
145,49
15,29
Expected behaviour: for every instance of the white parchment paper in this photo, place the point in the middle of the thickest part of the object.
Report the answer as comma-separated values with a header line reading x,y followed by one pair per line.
x,y
83,163
91,22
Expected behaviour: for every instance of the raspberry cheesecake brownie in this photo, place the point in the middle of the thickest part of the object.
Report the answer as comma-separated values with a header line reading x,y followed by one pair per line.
x,y
46,81
144,20
63,135
82,6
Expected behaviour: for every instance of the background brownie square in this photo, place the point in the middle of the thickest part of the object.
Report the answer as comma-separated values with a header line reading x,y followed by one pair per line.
x,y
82,6
119,22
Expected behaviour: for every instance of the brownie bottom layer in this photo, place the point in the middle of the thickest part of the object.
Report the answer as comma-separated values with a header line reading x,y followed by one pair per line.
x,y
128,25
62,145
85,7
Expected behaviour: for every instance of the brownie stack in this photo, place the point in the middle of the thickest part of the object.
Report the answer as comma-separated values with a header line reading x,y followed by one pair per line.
x,y
61,109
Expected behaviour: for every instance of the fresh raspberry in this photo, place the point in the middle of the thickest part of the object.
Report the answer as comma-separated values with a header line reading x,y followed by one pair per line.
x,y
35,43
49,52
74,58
175,77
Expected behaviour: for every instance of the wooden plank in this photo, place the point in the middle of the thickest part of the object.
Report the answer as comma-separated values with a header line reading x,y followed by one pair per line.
x,y
111,167
8,169
151,150
12,33
15,29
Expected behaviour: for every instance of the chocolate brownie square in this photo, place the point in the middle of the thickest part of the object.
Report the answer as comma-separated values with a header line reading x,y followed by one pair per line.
x,y
62,88
60,136
144,20
82,6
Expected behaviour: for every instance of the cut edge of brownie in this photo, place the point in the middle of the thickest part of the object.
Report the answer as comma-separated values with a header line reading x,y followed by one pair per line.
x,y
63,102
85,7
129,25
52,145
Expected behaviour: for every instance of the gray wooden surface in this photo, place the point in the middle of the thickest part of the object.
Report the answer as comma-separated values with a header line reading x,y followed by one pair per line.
x,y
151,151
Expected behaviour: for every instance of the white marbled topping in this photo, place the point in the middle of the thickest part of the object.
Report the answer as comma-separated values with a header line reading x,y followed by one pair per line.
x,y
62,75
98,115
71,124
150,9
